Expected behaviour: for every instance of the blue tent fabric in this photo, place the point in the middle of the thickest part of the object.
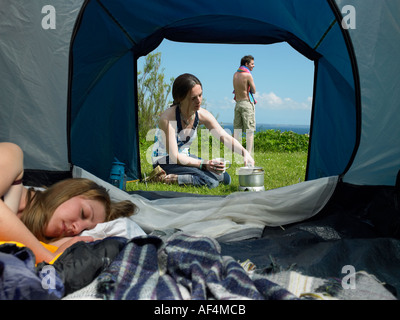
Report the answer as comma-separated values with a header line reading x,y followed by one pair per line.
x,y
68,97
111,35
83,73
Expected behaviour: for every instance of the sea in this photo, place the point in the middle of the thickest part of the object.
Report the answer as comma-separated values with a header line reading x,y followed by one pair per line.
x,y
300,129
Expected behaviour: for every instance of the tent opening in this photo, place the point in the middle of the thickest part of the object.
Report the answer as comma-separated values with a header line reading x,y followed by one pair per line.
x,y
109,38
284,81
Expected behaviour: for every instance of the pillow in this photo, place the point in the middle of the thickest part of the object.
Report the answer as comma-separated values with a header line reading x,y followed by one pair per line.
x,y
121,227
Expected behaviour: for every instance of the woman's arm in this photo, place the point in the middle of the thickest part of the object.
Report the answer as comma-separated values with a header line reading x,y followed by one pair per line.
x,y
11,227
217,131
206,118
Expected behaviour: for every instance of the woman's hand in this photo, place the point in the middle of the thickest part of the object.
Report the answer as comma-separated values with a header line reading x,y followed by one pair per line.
x,y
214,166
248,160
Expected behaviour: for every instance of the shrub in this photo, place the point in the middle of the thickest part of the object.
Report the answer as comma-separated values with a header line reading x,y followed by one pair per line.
x,y
277,141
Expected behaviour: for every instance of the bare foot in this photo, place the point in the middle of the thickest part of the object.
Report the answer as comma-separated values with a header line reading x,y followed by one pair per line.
x,y
170,178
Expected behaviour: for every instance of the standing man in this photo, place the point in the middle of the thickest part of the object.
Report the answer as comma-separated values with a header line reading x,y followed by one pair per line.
x,y
244,88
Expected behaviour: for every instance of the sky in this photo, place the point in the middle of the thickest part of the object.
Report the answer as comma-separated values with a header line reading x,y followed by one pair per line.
x,y
283,77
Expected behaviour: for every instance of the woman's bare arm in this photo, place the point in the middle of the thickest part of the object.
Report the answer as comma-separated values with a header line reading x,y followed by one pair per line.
x,y
11,227
218,132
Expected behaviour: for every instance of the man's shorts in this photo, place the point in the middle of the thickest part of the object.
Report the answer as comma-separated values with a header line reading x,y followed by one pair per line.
x,y
245,116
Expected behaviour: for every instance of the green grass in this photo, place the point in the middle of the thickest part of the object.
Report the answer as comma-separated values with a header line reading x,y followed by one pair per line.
x,y
282,155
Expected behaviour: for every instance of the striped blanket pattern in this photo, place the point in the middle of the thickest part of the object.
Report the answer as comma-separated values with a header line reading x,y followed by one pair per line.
x,y
181,267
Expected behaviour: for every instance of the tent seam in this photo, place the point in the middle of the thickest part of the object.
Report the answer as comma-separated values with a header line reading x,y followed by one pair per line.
x,y
116,22
325,34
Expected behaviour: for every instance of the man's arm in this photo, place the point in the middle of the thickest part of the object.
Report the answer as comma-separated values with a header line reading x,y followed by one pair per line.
x,y
251,83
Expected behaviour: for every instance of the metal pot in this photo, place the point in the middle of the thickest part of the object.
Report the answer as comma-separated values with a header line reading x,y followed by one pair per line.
x,y
251,177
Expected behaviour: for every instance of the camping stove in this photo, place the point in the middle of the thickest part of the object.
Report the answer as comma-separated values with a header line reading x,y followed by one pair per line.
x,y
251,179
241,188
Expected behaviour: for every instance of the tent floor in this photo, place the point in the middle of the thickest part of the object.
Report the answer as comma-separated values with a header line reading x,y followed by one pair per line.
x,y
359,227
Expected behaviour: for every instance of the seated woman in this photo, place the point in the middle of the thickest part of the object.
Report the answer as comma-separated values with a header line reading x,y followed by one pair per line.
x,y
60,212
177,130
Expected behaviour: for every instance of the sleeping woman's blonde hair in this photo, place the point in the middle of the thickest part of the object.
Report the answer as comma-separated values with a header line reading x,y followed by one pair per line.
x,y
42,204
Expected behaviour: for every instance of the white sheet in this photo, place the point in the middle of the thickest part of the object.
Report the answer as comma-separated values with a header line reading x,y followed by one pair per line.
x,y
215,216
122,227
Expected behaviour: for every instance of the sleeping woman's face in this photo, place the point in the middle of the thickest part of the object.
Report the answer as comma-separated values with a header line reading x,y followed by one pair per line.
x,y
75,215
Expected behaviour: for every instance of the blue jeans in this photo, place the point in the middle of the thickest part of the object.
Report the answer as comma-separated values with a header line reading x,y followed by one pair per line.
x,y
195,176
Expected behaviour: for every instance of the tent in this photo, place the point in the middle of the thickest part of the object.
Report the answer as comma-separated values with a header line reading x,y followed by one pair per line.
x,y
68,91
68,98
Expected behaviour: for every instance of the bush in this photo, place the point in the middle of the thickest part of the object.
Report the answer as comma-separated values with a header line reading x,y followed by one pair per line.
x,y
277,141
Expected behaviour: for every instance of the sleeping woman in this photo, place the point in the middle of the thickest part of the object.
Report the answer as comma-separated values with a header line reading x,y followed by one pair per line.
x,y
55,215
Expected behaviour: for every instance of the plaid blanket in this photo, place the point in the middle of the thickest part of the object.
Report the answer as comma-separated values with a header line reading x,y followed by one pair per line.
x,y
181,267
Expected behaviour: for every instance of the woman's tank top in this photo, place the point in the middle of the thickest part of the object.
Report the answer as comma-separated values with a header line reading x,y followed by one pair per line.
x,y
160,154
